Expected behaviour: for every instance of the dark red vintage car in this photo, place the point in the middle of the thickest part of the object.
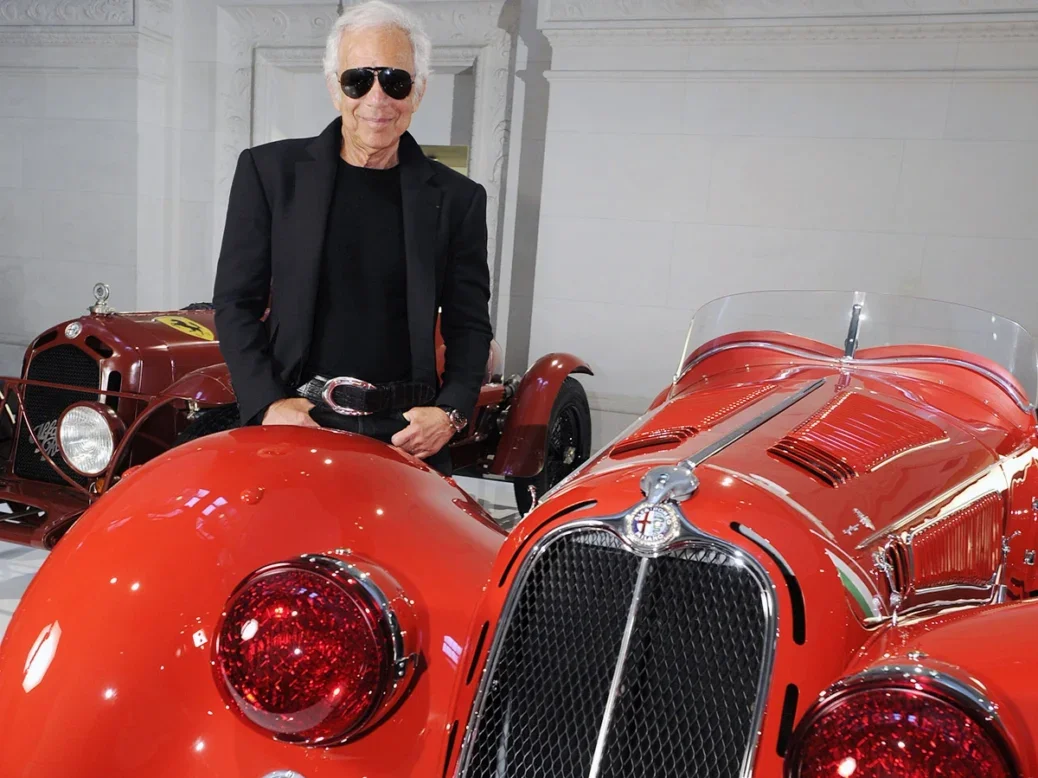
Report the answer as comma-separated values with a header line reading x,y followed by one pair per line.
x,y
104,393
812,557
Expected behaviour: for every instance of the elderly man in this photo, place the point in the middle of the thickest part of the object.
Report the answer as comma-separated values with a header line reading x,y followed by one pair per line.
x,y
357,240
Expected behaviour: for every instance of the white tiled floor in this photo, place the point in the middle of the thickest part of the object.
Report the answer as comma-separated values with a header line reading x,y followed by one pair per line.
x,y
18,564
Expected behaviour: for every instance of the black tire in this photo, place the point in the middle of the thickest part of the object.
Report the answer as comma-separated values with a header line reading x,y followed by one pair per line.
x,y
198,307
568,445
209,421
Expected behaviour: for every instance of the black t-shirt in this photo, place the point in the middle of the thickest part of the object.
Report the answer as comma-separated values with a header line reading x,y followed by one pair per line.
x,y
360,321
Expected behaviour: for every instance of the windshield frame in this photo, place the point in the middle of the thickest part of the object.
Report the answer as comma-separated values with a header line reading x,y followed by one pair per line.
x,y
1015,389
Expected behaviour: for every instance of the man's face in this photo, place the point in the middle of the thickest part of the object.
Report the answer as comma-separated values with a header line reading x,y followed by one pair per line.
x,y
376,121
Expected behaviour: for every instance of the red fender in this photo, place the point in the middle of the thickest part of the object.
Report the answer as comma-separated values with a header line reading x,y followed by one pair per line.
x,y
209,385
520,454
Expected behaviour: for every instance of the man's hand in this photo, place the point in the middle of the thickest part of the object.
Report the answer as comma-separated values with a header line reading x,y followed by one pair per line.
x,y
293,411
429,431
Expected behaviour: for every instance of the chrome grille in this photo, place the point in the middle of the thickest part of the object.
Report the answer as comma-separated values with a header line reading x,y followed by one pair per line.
x,y
563,699
64,364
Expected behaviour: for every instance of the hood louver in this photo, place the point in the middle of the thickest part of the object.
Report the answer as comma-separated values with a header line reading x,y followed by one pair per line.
x,y
854,434
688,416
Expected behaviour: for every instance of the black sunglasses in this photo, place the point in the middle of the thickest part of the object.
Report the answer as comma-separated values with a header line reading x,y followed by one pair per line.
x,y
357,82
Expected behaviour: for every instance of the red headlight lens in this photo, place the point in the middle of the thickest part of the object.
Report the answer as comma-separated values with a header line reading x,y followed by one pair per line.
x,y
302,653
895,733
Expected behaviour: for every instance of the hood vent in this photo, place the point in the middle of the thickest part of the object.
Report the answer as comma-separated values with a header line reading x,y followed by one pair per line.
x,y
814,460
655,440
690,415
853,434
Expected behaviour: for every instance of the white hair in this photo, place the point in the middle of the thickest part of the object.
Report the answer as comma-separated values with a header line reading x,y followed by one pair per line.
x,y
378,13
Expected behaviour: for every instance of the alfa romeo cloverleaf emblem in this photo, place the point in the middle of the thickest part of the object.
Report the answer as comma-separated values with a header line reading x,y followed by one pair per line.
x,y
652,527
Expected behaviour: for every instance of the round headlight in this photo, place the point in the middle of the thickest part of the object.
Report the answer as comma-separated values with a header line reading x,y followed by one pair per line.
x,y
87,436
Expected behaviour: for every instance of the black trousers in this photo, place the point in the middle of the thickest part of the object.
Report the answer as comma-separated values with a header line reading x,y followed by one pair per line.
x,y
381,426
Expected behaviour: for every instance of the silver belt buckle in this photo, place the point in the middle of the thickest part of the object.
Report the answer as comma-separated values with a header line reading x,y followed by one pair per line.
x,y
333,384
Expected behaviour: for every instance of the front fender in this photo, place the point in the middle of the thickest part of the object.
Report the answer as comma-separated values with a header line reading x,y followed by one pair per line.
x,y
986,648
210,385
105,669
520,454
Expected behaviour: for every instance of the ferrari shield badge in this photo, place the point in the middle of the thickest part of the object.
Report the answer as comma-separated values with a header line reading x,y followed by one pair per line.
x,y
652,527
187,326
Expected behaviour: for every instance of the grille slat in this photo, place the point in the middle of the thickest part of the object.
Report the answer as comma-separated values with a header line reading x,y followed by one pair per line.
x,y
551,674
687,700
64,364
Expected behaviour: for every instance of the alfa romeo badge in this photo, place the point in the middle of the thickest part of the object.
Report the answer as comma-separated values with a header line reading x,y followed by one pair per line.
x,y
651,527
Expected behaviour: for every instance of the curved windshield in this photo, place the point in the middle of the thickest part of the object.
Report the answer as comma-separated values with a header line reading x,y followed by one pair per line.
x,y
864,326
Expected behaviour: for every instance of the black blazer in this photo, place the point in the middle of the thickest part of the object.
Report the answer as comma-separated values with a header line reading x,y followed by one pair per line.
x,y
273,244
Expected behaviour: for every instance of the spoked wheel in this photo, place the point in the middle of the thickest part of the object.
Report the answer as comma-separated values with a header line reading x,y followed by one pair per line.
x,y
568,443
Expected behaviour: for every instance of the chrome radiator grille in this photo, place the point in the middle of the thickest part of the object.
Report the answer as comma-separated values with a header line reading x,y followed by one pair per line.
x,y
64,364
613,665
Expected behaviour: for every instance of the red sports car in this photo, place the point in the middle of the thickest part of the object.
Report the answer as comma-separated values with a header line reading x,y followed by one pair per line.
x,y
103,393
812,557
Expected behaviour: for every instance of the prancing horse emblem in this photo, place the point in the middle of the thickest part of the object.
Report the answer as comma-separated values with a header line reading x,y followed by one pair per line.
x,y
187,326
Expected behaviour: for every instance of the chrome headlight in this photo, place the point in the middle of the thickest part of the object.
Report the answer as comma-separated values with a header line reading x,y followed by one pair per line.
x,y
87,436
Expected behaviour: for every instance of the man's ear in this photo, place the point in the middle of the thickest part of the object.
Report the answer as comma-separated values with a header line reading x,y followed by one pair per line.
x,y
417,95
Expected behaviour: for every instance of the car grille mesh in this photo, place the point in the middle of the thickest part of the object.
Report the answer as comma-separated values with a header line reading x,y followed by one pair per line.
x,y
64,364
690,676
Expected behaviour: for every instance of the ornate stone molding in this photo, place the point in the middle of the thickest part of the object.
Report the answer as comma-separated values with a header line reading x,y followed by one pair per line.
x,y
792,34
767,11
460,29
59,13
794,76
38,38
156,16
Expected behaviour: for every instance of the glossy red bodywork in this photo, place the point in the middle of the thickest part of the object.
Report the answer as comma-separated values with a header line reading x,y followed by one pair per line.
x,y
189,526
522,448
188,541
209,385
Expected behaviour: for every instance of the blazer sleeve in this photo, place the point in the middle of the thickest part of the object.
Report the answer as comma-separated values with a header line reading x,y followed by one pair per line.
x,y
241,292
465,309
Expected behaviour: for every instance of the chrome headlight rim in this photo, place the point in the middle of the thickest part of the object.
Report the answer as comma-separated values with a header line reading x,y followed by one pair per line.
x,y
113,424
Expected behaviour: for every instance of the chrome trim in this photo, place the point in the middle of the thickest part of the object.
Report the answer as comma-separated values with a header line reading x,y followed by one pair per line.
x,y
618,671
882,563
740,432
284,774
946,682
688,538
850,344
950,506
999,583
1021,401
401,660
908,676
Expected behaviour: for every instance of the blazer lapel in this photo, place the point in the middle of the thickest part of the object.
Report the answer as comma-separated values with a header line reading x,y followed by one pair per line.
x,y
308,214
421,206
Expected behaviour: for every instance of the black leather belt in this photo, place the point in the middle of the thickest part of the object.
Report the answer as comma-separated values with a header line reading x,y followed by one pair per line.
x,y
354,397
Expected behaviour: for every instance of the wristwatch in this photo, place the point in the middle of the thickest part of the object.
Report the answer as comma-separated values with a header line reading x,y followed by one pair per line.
x,y
456,418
